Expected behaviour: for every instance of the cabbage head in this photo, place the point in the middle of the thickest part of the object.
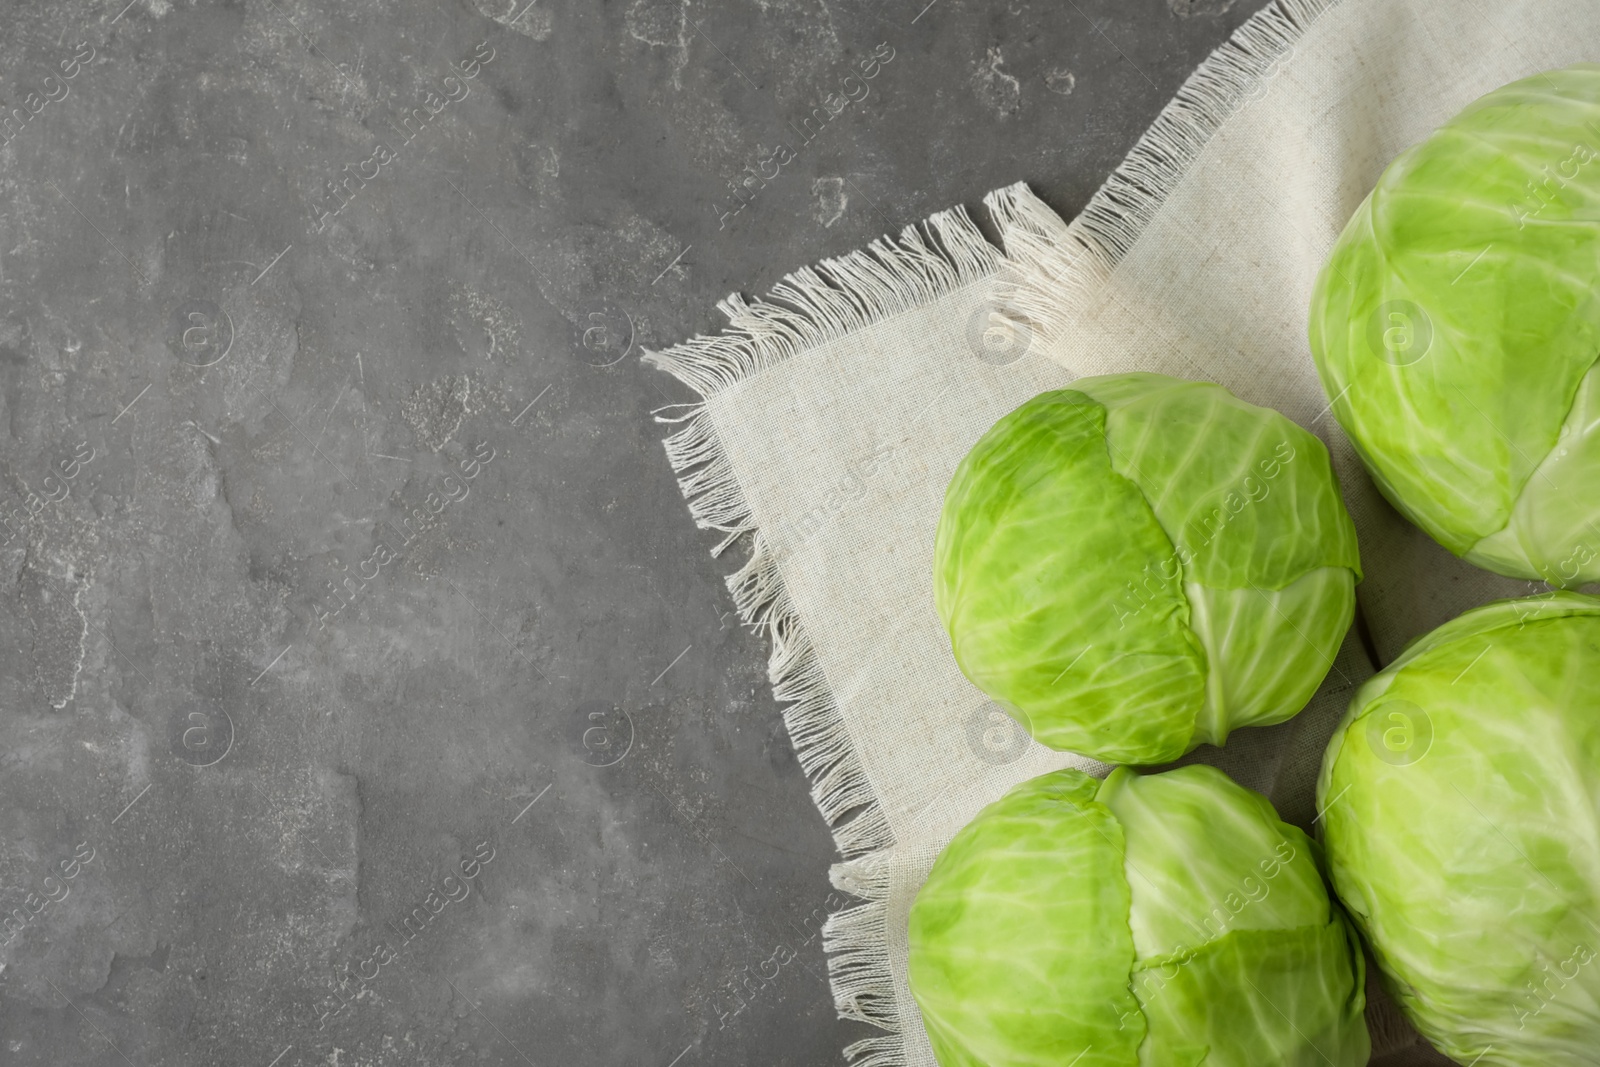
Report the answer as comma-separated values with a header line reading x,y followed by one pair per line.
x,y
1167,920
1137,565
1461,814
1457,328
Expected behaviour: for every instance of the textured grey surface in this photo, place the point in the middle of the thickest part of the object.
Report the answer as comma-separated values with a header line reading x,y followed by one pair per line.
x,y
337,531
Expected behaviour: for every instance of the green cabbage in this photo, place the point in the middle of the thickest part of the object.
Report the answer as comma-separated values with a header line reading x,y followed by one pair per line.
x,y
1459,802
1168,920
1457,328
1137,565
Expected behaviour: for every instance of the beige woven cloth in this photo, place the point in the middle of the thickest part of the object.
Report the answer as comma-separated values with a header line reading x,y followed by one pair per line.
x,y
835,411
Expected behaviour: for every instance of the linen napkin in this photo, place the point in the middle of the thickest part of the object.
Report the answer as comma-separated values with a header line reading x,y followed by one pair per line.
x,y
834,411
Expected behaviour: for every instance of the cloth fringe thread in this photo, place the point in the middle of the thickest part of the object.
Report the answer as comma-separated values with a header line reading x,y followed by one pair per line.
x,y
1058,267
813,307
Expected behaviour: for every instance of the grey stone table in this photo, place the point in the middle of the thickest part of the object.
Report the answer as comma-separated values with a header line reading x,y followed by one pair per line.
x,y
368,696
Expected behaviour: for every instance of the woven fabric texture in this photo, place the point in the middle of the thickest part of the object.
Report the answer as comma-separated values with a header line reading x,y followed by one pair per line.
x,y
835,410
